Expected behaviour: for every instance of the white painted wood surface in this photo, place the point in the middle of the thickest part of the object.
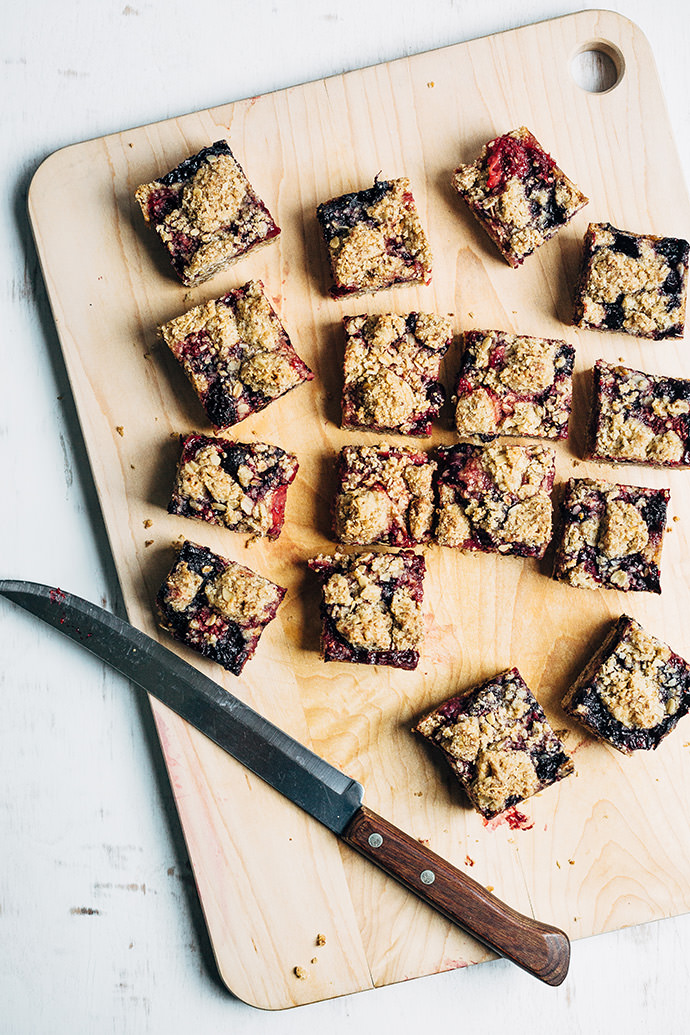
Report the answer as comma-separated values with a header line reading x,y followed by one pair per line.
x,y
99,926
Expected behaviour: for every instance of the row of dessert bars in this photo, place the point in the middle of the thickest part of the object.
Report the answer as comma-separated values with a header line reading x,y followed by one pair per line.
x,y
239,359
207,214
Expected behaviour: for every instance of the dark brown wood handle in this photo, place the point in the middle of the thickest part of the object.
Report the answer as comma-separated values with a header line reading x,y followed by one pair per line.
x,y
539,949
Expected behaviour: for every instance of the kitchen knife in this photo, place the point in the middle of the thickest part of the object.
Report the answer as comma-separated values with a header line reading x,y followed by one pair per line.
x,y
307,780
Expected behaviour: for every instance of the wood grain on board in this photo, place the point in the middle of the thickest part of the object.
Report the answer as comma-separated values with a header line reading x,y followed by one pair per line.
x,y
604,849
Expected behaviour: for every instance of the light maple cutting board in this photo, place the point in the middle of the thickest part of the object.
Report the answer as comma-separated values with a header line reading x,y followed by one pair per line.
x,y
604,849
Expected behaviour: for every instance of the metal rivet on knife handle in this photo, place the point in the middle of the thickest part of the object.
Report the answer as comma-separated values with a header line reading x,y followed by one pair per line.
x,y
427,876
375,840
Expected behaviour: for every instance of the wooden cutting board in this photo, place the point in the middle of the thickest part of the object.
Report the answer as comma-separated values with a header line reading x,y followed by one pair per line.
x,y
602,850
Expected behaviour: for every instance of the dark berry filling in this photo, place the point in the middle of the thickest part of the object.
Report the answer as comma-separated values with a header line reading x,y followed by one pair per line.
x,y
187,169
626,244
507,157
347,211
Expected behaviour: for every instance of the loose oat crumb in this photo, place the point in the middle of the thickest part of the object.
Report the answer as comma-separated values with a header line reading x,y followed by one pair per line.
x,y
558,864
418,794
675,517
469,861
300,972
489,887
120,430
571,862
314,959
423,840
431,84
149,542
147,522
321,939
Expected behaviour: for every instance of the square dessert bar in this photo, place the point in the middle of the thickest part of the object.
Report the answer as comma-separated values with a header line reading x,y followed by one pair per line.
x,y
375,239
385,495
511,384
206,213
611,536
236,353
633,690
242,487
635,283
371,607
495,498
498,743
518,194
639,418
391,372
217,607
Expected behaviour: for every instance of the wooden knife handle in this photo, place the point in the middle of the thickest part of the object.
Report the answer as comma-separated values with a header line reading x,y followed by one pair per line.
x,y
539,949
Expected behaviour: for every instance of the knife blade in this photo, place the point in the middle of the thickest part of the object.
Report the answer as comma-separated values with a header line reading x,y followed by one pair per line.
x,y
327,794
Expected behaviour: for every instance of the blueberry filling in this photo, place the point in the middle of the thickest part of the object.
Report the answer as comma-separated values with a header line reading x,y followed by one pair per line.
x,y
187,169
342,214
625,244
614,314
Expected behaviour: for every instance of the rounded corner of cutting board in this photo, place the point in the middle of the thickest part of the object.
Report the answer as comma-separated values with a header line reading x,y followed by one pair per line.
x,y
628,27
49,167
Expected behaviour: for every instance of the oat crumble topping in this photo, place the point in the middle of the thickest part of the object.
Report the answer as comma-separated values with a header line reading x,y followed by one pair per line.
x,y
495,498
375,238
206,213
632,282
639,418
385,495
611,536
513,385
391,371
518,194
633,690
498,742
371,607
236,353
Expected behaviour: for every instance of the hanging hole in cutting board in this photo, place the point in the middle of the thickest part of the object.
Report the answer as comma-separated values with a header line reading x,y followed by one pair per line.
x,y
597,66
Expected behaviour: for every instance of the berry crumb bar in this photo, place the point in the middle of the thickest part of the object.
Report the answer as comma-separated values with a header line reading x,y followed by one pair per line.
x,y
495,498
236,353
391,372
375,239
635,283
240,486
611,536
385,495
639,418
511,384
518,194
216,606
498,743
633,690
206,213
371,607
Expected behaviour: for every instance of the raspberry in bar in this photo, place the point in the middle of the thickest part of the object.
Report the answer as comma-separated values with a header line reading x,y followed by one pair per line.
x,y
511,384
242,487
217,607
385,495
611,536
375,239
371,607
206,213
633,690
636,283
639,418
518,194
495,498
236,353
391,372
498,743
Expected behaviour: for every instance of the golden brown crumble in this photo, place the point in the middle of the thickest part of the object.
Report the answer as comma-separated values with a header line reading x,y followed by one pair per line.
x,y
182,586
242,596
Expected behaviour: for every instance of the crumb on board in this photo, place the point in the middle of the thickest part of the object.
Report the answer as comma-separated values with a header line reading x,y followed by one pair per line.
x,y
571,862
489,887
314,959
675,517
148,542
558,864
423,840
132,467
431,84
321,939
147,522
469,861
300,972
120,430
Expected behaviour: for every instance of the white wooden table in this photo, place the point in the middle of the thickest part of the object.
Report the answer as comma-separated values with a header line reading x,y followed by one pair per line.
x,y
100,928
